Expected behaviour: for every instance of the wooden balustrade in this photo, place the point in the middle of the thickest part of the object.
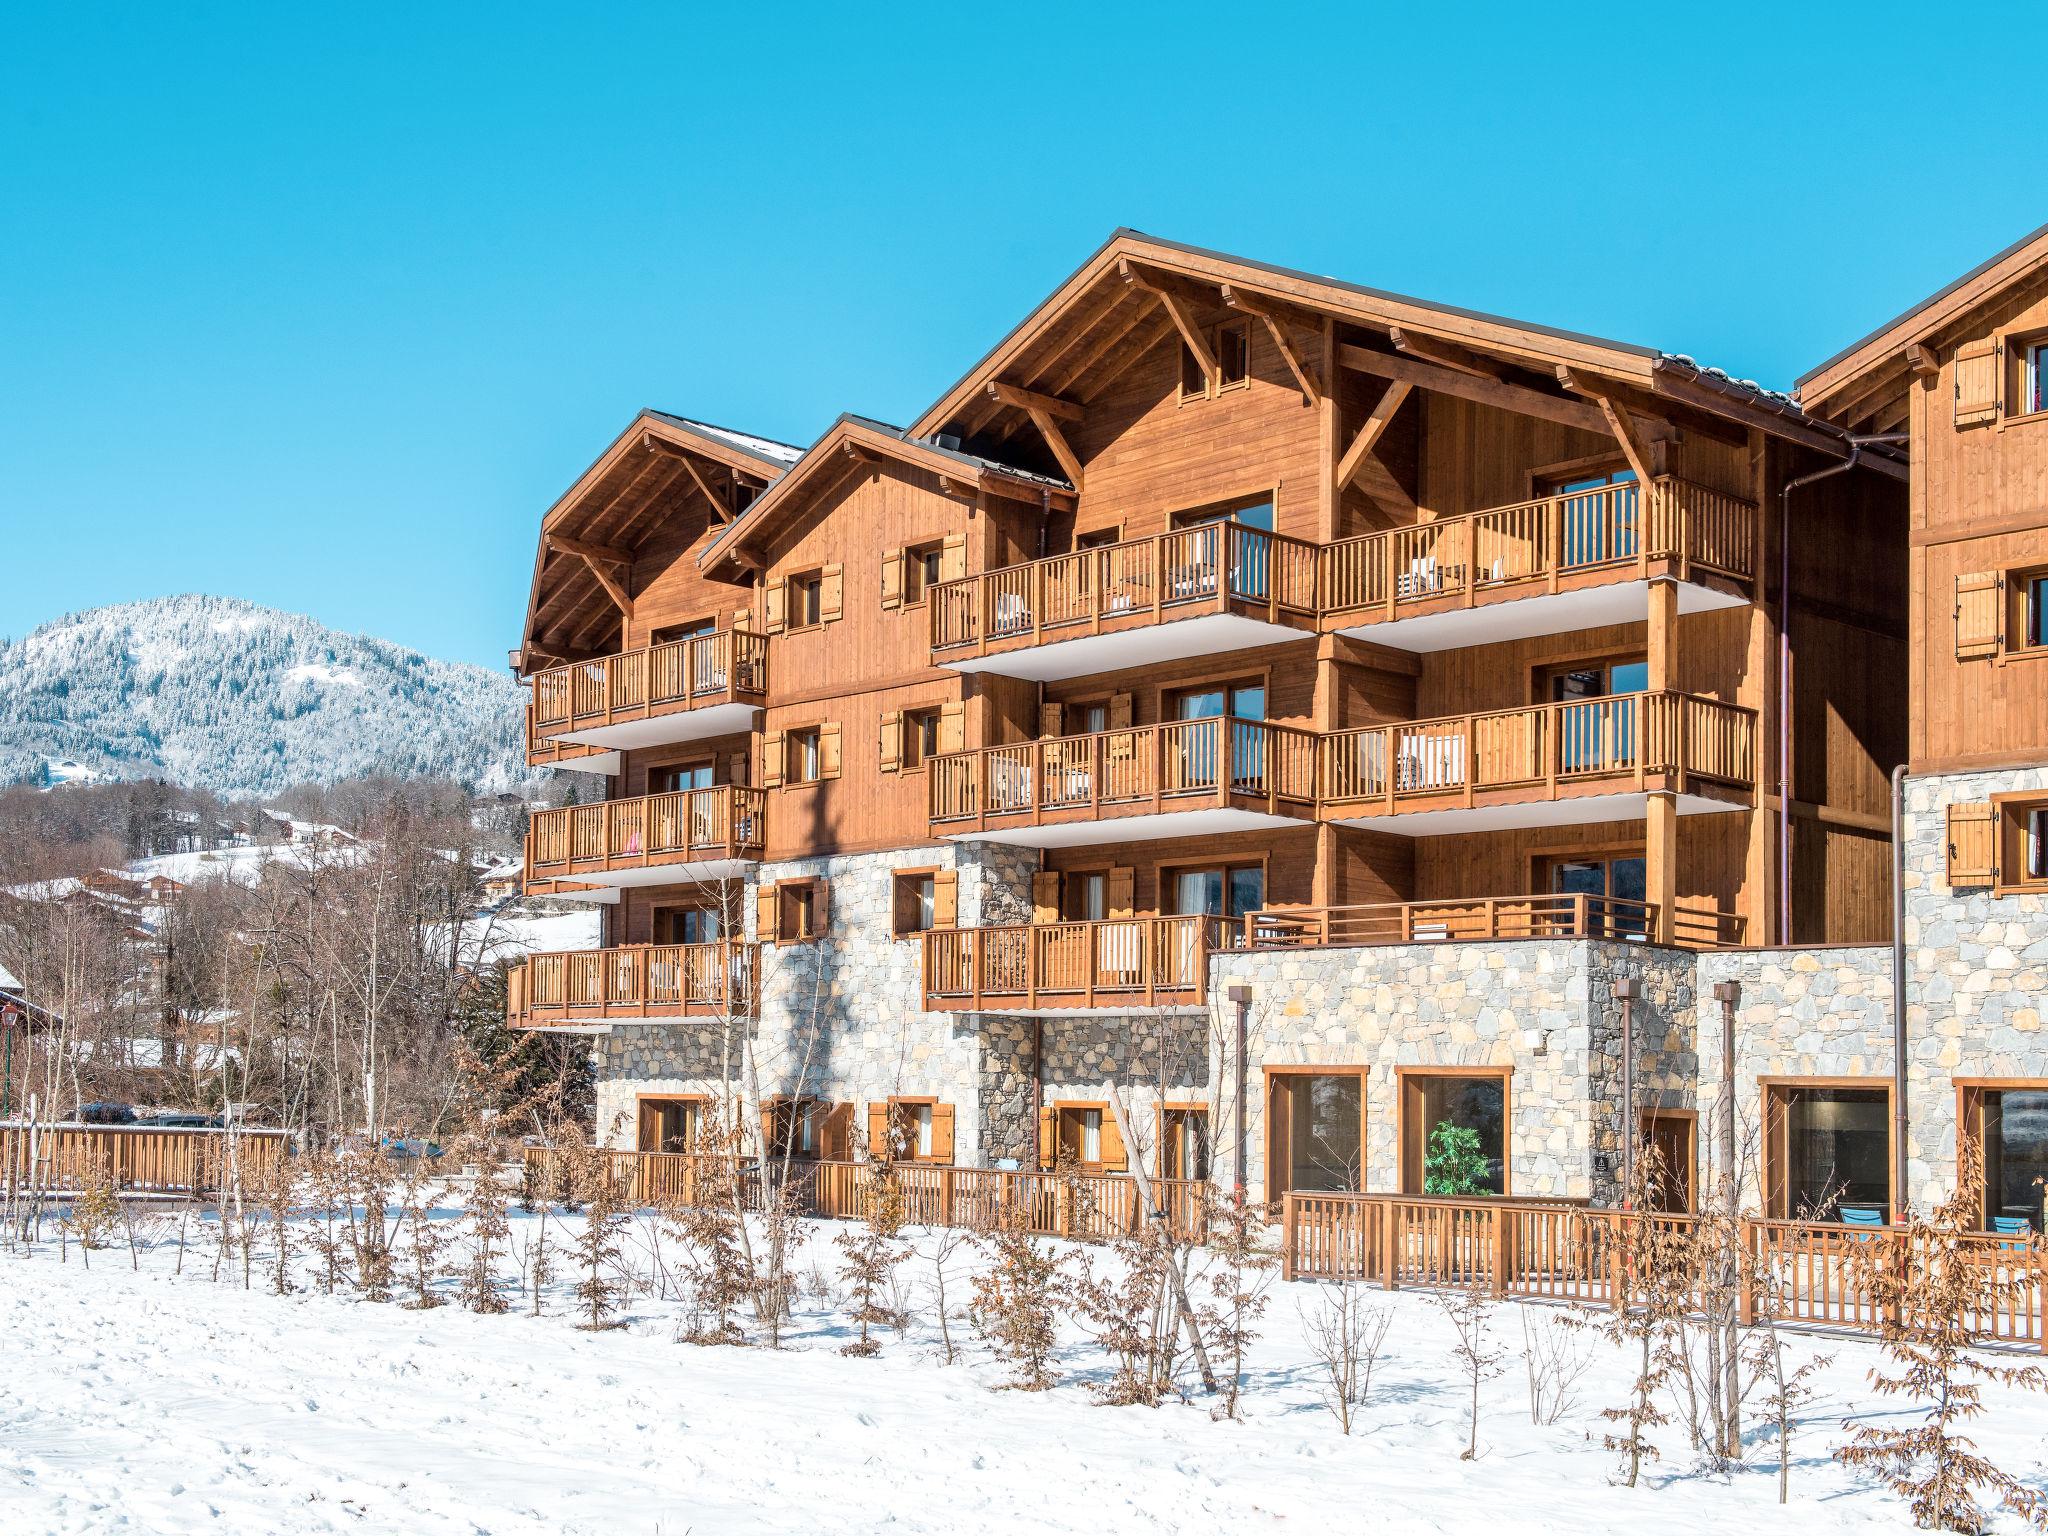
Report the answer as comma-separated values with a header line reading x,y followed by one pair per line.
x,y
1222,567
1623,737
724,822
728,666
1118,962
570,988
136,1158
1547,916
1181,765
1539,545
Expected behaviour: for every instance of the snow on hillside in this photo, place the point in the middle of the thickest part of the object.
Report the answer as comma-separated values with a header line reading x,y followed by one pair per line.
x,y
222,694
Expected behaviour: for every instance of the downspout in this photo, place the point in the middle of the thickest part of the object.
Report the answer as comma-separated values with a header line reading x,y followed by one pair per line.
x,y
1900,1119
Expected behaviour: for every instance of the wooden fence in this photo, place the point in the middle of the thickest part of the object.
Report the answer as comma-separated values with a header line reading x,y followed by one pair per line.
x,y
1812,1273
142,1159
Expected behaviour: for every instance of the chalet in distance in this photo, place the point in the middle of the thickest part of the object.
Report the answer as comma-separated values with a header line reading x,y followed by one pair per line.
x,y
1244,677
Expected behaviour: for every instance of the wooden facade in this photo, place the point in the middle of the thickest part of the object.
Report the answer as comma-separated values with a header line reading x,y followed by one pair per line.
x,y
1213,567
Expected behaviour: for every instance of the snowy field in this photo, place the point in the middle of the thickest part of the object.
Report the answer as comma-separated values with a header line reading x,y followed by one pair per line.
x,y
168,1403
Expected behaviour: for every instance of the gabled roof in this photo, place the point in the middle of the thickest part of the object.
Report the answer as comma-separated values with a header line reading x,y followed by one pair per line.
x,y
1883,350
659,463
861,438
1106,309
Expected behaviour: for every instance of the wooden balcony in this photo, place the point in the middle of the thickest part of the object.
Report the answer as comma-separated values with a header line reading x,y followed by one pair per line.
x,y
698,834
589,990
1099,967
1695,925
552,752
1546,765
1540,567
1192,592
1186,778
684,690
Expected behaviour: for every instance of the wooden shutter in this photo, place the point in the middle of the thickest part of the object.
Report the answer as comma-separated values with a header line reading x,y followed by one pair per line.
x,y
1979,606
1972,845
1048,1137
878,1132
771,759
953,557
942,1133
828,750
1049,721
892,579
821,908
946,899
1119,711
835,1133
1122,888
1045,896
740,617
1977,381
953,727
831,593
1113,1160
774,604
767,913
892,740
650,1127
736,768
770,1147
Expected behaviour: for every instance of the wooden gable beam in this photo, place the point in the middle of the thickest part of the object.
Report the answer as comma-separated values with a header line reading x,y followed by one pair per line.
x,y
1183,317
1030,400
608,554
721,506
1448,381
1920,358
1633,446
1444,354
1369,434
1276,327
1111,338
612,588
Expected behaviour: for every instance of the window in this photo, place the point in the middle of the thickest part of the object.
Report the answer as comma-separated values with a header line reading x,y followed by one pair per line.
x,y
921,571
1230,343
2030,604
1315,1131
2010,1122
1454,1133
916,901
1225,891
1099,538
686,925
1616,887
805,764
2022,848
798,918
743,495
1084,896
1195,753
2032,353
1184,1142
1090,719
920,737
911,1130
670,1124
1082,1135
793,1127
675,778
806,600
1599,512
1827,1152
669,634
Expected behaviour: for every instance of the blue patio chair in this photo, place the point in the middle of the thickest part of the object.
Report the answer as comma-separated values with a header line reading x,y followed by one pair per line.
x,y
1860,1215
2011,1226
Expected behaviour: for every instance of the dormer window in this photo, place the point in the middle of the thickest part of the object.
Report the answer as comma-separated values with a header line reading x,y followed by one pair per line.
x,y
1230,343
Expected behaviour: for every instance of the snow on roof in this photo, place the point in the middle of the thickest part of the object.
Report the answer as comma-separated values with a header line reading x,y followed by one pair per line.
x,y
9,982
746,442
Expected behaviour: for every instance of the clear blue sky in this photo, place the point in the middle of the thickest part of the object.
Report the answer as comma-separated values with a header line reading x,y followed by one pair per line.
x,y
322,306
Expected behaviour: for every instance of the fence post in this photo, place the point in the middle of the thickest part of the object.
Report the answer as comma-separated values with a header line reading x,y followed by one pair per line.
x,y
1499,1217
1749,1240
946,1197
1288,1219
1390,1236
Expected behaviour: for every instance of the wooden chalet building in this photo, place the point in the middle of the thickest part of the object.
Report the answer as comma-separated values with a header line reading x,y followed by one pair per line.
x,y
1418,671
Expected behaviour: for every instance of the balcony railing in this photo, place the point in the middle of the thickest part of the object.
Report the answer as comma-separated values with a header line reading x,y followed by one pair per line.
x,y
684,827
1183,765
1695,925
1539,545
1616,742
545,752
1216,567
728,667
1124,962
645,981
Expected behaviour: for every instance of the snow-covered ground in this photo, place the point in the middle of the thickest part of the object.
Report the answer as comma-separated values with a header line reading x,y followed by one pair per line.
x,y
172,1404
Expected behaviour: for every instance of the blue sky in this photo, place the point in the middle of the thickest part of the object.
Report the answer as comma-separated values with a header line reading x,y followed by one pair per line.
x,y
322,307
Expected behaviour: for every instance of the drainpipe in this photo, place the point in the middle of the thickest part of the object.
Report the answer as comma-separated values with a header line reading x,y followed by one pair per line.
x,y
1856,447
1625,990
1242,997
1900,1118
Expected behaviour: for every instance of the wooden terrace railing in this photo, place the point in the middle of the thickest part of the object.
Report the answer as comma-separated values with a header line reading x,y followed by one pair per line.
x,y
545,752
724,822
1553,916
1563,1252
1222,567
1182,765
1618,531
135,1158
1608,742
1119,963
566,989
729,666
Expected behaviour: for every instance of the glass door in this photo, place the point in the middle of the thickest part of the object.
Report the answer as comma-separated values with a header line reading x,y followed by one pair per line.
x,y
1596,731
1615,889
1600,517
1244,704
1250,550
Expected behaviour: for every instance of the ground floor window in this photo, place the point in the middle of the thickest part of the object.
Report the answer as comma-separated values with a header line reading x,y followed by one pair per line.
x,y
1184,1141
1454,1133
794,1127
1670,1137
1081,1136
1315,1130
1828,1152
2010,1123
670,1124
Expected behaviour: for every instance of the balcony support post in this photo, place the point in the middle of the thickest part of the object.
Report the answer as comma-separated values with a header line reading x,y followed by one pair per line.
x,y
1663,635
1661,863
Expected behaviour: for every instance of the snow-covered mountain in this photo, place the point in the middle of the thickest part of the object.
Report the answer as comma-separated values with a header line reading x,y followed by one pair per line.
x,y
217,693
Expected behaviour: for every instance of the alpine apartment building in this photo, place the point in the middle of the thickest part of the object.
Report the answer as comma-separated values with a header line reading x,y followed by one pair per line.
x,y
1297,706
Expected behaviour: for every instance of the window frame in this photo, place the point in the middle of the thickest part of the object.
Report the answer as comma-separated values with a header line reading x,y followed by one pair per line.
x,y
2013,813
694,1102
1970,1092
1776,1197
811,582
1408,1092
797,897
2019,584
911,755
1276,1187
2023,360
913,1101
805,1108
1212,334
901,878
1172,1112
1061,1109
935,551
792,737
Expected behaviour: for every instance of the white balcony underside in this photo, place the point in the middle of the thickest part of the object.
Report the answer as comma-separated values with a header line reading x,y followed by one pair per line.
x,y
1169,640
661,730
1524,618
1571,811
1131,829
704,871
601,762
